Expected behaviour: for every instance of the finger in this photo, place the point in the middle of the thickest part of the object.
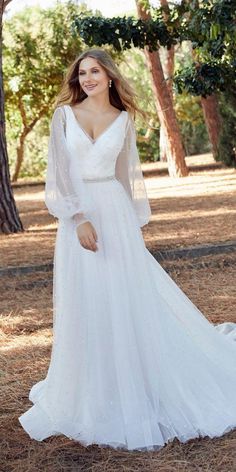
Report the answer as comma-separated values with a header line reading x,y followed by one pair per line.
x,y
88,244
83,243
92,243
95,235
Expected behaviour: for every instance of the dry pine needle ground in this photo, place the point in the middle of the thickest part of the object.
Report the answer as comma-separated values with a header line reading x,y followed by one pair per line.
x,y
197,210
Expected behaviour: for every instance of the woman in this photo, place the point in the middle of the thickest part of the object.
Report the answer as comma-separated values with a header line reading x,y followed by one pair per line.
x,y
134,363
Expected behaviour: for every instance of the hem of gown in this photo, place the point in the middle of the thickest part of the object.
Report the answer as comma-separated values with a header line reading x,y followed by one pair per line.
x,y
38,425
227,329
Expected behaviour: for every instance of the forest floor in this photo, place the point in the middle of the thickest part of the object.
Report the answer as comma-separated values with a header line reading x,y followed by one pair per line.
x,y
195,211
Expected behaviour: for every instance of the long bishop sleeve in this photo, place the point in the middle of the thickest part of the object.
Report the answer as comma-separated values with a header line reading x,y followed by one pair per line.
x,y
129,173
65,195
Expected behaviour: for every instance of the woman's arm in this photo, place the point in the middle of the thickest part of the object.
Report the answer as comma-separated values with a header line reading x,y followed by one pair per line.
x,y
64,197
129,173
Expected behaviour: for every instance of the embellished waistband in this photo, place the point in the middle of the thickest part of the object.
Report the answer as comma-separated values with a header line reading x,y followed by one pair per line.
x,y
99,179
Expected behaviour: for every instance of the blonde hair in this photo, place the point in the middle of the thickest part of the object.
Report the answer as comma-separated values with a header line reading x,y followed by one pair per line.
x,y
121,94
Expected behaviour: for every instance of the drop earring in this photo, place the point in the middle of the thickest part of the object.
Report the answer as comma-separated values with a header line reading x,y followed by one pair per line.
x,y
110,82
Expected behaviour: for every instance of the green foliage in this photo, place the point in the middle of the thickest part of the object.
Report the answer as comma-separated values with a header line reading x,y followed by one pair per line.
x,y
188,109
203,79
227,141
192,125
35,157
149,150
43,48
195,138
44,44
209,25
38,47
211,28
123,33
133,67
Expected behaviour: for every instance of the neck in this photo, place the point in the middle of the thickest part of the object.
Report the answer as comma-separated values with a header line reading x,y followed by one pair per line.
x,y
99,103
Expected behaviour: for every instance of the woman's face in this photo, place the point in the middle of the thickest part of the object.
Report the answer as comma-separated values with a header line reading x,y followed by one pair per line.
x,y
92,77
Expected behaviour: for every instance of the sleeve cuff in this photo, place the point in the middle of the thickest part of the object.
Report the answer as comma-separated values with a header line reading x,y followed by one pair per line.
x,y
79,218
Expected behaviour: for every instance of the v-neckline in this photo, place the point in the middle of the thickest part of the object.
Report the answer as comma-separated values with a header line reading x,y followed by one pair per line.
x,y
94,141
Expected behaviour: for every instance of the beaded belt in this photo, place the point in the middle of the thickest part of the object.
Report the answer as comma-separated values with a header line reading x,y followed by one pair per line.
x,y
99,179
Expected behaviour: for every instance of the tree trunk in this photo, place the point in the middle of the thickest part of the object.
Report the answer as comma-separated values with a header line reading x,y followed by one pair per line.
x,y
175,150
19,156
211,115
9,216
27,128
168,67
212,120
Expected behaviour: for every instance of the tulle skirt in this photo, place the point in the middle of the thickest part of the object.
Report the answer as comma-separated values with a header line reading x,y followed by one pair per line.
x,y
134,363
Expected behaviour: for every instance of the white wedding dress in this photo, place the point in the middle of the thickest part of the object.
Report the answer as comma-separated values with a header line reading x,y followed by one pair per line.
x,y
134,363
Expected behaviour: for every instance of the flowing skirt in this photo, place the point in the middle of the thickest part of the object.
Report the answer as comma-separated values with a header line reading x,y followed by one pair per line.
x,y
134,363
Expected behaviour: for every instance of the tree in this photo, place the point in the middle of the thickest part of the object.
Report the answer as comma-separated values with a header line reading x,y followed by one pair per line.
x,y
9,216
211,27
164,105
35,66
211,113
213,121
227,141
168,67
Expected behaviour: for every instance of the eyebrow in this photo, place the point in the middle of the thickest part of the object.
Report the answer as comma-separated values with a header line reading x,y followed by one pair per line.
x,y
94,67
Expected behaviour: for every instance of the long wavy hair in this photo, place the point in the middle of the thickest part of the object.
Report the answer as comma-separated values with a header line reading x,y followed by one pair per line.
x,y
121,94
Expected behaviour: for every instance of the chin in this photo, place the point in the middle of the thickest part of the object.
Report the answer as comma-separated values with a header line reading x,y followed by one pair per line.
x,y
94,92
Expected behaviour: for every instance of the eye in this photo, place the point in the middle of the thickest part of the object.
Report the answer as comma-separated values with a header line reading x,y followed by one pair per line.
x,y
95,70
81,73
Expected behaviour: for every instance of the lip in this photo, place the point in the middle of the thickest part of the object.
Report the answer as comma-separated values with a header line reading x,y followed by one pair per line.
x,y
90,87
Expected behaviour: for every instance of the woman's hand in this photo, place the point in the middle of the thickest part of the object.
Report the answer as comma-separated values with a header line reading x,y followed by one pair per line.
x,y
87,236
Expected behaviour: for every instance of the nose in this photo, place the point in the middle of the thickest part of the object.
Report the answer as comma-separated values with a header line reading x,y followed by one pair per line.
x,y
88,76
